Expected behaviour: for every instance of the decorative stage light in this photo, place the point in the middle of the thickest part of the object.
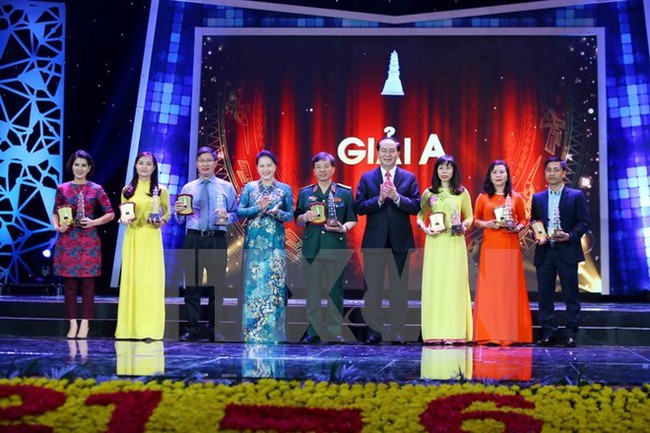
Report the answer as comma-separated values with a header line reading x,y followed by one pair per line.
x,y
585,182
588,273
393,85
41,277
43,264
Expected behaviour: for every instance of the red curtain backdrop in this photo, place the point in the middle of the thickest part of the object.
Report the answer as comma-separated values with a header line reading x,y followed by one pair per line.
x,y
485,98
482,106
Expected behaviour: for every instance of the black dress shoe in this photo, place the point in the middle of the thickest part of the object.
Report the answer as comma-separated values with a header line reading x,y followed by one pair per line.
x,y
570,342
310,339
373,338
189,336
545,342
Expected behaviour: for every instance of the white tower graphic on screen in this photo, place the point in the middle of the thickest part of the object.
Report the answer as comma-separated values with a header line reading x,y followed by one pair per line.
x,y
393,85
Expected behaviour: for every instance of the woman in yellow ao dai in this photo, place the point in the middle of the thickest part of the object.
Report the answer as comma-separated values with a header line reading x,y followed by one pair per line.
x,y
141,305
445,215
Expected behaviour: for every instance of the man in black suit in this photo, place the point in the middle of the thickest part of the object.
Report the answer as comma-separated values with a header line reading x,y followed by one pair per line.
x,y
388,196
563,211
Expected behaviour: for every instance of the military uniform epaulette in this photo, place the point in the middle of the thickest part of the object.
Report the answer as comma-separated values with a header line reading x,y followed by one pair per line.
x,y
343,186
308,186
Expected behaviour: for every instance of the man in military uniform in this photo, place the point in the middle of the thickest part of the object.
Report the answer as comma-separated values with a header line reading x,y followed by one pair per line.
x,y
326,209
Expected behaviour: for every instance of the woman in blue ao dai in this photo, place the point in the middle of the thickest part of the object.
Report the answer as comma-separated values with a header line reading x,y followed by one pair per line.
x,y
267,205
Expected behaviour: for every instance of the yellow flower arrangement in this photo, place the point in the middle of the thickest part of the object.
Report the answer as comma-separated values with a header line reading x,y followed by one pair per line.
x,y
40,405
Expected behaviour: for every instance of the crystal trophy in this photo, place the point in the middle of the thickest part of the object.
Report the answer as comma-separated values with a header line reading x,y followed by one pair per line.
x,y
221,205
507,219
81,209
555,225
154,215
456,225
332,219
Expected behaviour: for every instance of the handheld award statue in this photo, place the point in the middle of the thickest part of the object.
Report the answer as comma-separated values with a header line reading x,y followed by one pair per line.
x,y
498,213
456,225
319,209
221,205
81,209
332,219
154,215
65,213
437,221
539,231
186,199
507,221
127,212
555,223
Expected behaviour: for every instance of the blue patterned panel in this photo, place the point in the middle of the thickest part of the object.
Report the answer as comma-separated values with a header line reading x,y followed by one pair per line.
x,y
32,41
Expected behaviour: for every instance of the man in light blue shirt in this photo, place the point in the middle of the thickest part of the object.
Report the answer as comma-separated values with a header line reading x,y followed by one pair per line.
x,y
206,205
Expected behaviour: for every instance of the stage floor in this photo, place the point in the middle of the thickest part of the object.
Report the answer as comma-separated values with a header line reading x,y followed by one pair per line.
x,y
410,363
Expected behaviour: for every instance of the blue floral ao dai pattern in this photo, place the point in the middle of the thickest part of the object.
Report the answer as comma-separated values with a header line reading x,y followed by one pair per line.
x,y
265,291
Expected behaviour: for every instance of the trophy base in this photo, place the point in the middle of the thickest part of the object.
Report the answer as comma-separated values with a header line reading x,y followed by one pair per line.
x,y
457,230
221,222
508,224
332,222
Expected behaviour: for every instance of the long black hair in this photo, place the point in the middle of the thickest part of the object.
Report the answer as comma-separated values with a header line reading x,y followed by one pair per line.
x,y
488,186
129,190
454,183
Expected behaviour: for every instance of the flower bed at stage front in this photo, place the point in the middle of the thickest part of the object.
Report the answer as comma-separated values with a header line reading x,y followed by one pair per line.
x,y
40,405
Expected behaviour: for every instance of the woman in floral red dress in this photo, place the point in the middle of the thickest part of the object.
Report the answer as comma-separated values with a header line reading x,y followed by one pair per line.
x,y
77,252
